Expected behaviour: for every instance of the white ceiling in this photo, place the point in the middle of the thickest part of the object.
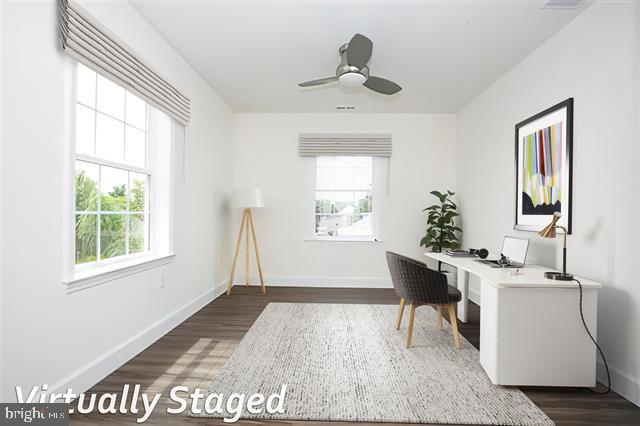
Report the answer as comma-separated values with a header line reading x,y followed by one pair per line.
x,y
443,53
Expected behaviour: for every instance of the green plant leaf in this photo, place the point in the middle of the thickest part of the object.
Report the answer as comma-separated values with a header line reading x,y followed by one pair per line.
x,y
442,197
441,229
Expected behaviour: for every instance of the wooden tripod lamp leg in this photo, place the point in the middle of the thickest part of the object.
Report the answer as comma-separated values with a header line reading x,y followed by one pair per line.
x,y
255,246
246,258
235,256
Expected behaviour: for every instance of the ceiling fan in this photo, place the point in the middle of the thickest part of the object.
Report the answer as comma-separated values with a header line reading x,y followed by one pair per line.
x,y
353,70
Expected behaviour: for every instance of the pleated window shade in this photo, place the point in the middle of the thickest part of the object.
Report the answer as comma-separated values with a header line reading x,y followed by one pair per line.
x,y
89,42
376,145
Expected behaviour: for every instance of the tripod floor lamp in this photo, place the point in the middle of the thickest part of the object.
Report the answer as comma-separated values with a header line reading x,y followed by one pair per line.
x,y
246,199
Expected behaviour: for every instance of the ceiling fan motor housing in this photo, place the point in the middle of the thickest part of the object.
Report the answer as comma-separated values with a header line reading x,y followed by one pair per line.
x,y
351,76
348,75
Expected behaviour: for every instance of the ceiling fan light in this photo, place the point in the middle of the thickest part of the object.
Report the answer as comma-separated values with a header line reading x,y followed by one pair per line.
x,y
352,79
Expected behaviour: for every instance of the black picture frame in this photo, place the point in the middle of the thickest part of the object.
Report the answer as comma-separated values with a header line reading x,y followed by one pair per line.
x,y
535,222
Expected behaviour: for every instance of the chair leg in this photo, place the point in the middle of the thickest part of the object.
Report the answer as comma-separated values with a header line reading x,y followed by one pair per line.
x,y
400,312
439,318
454,324
412,312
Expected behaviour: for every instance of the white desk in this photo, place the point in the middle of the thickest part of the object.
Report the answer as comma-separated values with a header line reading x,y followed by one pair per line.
x,y
531,333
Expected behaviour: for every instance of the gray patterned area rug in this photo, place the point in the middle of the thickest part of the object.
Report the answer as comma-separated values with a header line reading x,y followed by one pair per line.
x,y
349,363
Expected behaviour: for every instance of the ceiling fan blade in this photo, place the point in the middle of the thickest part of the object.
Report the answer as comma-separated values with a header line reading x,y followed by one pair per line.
x,y
382,85
318,82
359,51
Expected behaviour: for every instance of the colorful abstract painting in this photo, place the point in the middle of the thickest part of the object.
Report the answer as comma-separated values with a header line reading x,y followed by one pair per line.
x,y
543,175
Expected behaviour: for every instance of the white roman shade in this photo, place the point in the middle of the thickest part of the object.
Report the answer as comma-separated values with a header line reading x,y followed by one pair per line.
x,y
361,144
376,145
89,42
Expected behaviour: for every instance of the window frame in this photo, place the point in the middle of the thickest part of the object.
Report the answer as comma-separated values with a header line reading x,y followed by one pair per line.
x,y
100,265
99,262
375,200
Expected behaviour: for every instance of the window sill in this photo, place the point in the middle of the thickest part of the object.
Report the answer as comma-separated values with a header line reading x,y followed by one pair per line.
x,y
97,276
346,239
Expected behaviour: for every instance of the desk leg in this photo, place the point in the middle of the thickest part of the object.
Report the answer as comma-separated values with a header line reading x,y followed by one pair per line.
x,y
463,286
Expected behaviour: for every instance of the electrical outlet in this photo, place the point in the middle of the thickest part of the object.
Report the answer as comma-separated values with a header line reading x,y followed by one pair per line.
x,y
163,281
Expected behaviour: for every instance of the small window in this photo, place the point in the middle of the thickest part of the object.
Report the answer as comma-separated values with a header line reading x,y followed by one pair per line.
x,y
344,198
112,174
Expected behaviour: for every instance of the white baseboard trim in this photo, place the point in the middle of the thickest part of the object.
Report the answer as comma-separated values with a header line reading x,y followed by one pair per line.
x,y
91,373
219,289
310,281
626,386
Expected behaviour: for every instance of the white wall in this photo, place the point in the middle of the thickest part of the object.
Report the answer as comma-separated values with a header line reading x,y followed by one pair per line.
x,y
594,60
51,337
266,155
2,331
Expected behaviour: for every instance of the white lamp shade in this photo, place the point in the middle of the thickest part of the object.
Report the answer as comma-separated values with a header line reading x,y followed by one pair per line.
x,y
247,198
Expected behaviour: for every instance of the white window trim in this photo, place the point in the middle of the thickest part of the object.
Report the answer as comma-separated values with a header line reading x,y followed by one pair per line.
x,y
76,279
113,164
101,263
103,274
376,197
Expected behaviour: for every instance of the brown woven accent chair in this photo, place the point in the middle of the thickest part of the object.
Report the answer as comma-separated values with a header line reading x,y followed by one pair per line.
x,y
415,283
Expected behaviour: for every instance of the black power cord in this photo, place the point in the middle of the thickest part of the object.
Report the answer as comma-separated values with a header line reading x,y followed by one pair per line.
x,y
584,323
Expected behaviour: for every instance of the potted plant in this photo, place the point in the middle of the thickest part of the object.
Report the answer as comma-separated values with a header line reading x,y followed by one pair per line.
x,y
441,229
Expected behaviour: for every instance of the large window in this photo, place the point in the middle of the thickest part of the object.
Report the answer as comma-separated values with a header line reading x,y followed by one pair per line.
x,y
112,174
344,198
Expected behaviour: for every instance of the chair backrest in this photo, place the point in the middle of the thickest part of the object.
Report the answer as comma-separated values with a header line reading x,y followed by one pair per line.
x,y
415,282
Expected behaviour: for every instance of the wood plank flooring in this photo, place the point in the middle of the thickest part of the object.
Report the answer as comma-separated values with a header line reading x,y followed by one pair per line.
x,y
192,354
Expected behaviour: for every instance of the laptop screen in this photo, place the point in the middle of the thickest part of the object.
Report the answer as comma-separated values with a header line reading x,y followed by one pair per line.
x,y
515,249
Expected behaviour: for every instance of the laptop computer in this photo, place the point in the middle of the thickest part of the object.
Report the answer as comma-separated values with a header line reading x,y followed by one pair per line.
x,y
513,254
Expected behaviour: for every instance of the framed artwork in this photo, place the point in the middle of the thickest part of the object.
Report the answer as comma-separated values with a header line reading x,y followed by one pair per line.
x,y
543,168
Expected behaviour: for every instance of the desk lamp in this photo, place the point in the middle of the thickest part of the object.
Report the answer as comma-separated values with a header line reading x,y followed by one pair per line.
x,y
549,231
247,199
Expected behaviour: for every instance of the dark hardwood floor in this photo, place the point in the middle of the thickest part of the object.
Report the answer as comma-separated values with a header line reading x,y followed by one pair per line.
x,y
192,354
